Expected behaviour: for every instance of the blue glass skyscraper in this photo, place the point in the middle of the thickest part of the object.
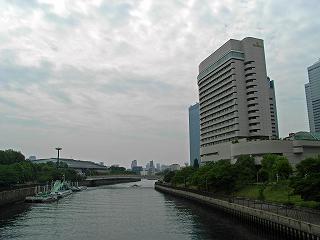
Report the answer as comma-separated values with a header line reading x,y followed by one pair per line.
x,y
194,133
313,97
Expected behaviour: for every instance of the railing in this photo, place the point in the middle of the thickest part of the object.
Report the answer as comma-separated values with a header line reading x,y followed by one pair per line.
x,y
302,214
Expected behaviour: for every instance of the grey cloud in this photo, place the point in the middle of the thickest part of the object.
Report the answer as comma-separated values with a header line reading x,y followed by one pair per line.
x,y
20,31
9,103
125,79
23,4
15,75
134,84
68,21
24,122
116,12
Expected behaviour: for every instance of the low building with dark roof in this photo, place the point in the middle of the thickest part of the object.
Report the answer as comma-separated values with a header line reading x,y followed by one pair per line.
x,y
79,165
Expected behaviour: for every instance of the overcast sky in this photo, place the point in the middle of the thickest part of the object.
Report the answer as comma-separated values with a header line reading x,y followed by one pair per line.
x,y
112,81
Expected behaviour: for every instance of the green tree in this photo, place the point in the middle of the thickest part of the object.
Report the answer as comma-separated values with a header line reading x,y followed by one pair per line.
x,y
11,156
246,170
200,176
117,170
221,177
15,170
8,175
282,167
275,165
267,165
183,176
308,166
196,163
168,176
307,180
263,175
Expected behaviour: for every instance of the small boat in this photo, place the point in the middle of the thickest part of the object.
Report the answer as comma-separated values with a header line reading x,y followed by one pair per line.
x,y
135,185
75,189
64,193
61,189
78,188
83,188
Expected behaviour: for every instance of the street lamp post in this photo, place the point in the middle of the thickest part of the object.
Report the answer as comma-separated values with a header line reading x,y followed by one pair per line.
x,y
58,149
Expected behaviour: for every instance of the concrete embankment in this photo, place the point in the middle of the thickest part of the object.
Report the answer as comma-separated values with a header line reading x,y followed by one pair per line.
x,y
269,221
17,195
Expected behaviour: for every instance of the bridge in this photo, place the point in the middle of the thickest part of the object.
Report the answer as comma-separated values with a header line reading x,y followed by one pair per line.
x,y
93,181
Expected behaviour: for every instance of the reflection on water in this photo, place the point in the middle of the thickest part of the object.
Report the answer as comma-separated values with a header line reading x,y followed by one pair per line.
x,y
9,214
120,212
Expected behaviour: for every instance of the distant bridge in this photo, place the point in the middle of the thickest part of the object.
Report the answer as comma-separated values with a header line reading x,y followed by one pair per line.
x,y
93,181
121,176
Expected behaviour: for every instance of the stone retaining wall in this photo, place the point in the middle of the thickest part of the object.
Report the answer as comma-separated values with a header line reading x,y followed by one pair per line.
x,y
283,223
17,195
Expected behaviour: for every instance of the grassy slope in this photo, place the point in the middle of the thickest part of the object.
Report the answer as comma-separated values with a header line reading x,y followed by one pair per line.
x,y
276,193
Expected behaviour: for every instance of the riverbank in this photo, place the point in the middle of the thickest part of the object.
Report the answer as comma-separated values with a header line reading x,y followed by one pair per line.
x,y
19,195
254,213
16,195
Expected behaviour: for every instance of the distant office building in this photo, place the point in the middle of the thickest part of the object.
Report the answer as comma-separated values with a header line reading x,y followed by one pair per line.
x,y
134,163
151,165
151,170
174,167
32,158
194,133
147,166
158,167
144,173
313,97
273,110
309,107
236,97
164,167
137,169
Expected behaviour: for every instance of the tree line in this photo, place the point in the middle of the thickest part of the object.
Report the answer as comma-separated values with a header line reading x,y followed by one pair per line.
x,y
15,169
224,177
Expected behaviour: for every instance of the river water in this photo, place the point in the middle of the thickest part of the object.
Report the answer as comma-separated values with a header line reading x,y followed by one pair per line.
x,y
120,212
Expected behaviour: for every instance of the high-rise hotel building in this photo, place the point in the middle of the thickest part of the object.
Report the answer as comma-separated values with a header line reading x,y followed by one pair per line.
x,y
237,99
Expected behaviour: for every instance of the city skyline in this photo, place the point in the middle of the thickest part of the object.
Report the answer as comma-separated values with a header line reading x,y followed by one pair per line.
x,y
97,78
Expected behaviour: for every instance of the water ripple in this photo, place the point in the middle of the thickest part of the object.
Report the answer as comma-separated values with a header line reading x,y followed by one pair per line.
x,y
119,212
